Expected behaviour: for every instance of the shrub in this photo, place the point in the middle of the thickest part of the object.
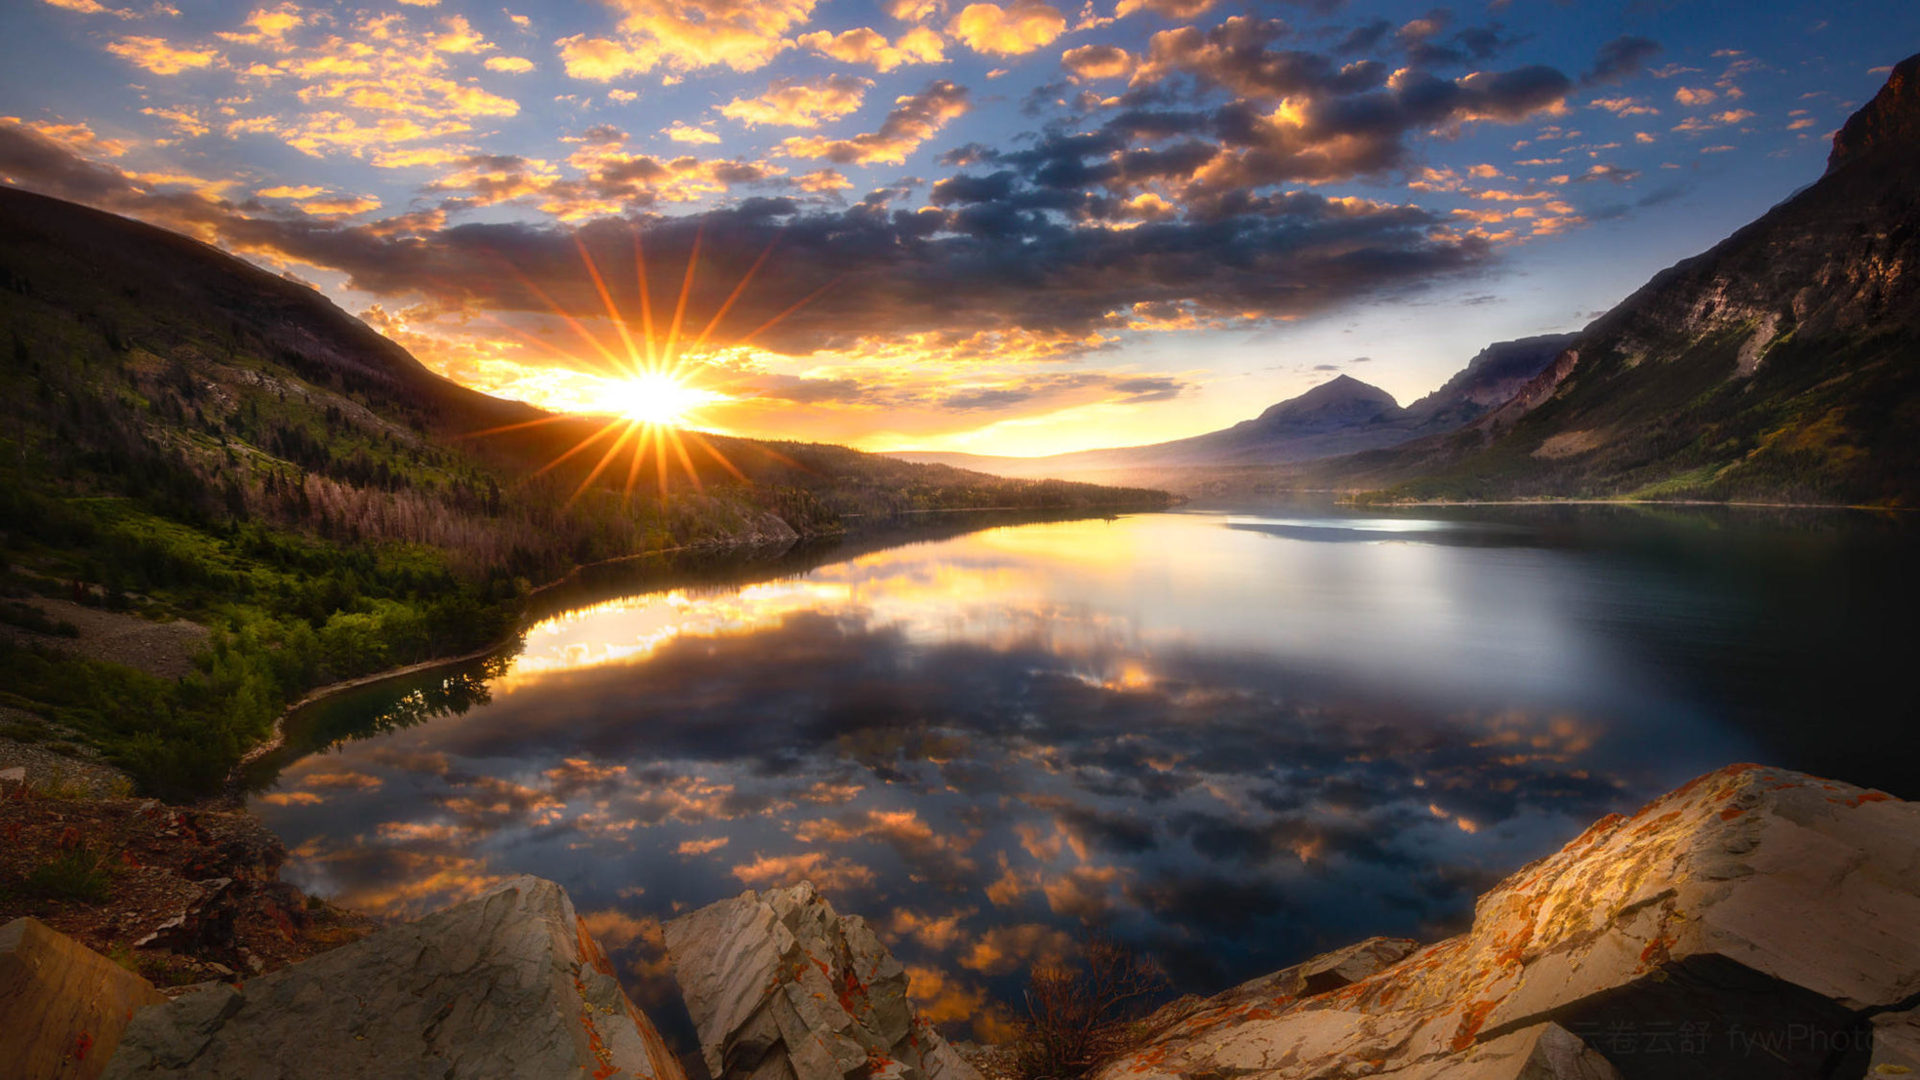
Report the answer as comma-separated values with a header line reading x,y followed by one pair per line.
x,y
79,873
1078,1016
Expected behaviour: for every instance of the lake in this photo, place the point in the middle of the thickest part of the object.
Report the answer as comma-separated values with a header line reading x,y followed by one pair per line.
x,y
1230,738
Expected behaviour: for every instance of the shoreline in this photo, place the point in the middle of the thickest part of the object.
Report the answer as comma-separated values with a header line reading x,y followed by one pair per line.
x,y
231,795
1742,504
277,739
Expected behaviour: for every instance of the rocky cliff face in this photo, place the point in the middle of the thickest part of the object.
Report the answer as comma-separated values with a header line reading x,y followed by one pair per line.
x,y
781,987
1890,121
1753,923
1778,365
509,985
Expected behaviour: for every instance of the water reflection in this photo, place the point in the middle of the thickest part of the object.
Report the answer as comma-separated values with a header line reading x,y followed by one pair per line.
x,y
1230,745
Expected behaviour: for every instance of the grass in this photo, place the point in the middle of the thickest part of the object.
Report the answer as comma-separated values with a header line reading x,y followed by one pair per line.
x,y
79,874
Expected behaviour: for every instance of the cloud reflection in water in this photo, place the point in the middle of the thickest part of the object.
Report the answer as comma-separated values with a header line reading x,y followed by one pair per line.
x,y
1229,746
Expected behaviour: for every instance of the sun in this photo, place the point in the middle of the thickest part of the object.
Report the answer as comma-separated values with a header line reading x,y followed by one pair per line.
x,y
653,397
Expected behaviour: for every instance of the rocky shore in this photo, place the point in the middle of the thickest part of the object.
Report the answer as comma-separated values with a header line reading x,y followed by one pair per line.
x,y
1751,923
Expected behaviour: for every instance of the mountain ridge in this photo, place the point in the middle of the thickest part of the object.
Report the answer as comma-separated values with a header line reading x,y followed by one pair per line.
x,y
1340,416
1778,365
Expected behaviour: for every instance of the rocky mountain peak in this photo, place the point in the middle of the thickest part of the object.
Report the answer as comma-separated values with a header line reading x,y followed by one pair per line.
x,y
1342,393
1890,121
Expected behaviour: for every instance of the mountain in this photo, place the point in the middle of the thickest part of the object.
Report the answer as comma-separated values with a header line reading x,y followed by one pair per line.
x,y
218,490
1340,416
1783,364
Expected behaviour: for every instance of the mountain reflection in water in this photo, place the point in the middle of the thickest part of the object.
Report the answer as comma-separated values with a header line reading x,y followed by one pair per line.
x,y
1214,736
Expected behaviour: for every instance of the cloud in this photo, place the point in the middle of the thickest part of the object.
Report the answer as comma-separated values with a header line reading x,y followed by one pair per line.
x,y
682,133
514,65
801,104
1614,173
1097,61
863,45
1621,59
686,35
1019,28
160,57
822,181
915,119
1178,10
1695,95
1624,106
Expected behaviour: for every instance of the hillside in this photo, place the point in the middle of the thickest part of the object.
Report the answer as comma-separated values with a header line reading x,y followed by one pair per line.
x,y
1340,416
219,490
1783,364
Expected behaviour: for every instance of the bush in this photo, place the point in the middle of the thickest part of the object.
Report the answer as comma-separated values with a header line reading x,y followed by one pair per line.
x,y
79,873
1080,1016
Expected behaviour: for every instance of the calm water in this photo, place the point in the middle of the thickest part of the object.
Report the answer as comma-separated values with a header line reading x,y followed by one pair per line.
x,y
1230,738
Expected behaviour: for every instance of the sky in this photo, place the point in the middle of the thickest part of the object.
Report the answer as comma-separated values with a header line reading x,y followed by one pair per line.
x,y
1011,228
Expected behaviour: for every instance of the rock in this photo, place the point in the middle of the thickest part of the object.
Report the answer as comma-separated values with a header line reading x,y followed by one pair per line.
x,y
15,775
1753,923
508,985
1896,1044
781,987
62,1005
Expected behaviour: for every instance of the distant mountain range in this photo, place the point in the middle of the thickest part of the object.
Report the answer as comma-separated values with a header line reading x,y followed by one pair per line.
x,y
1340,416
1781,365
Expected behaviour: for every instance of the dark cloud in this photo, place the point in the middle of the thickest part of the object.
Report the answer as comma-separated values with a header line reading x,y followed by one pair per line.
x,y
1364,38
998,256
1621,59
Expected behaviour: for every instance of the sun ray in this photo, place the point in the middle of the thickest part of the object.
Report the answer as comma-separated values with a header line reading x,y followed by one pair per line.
x,y
605,460
646,300
633,465
504,428
613,313
680,309
733,296
802,302
718,456
686,461
612,360
658,395
605,429
660,456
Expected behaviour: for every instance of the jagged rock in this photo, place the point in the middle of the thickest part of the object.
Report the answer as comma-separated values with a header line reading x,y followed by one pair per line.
x,y
62,1005
508,985
1541,1052
783,988
1754,923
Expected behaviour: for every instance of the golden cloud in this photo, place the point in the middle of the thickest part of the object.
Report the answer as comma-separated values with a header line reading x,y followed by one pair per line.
x,y
158,56
864,45
78,137
1172,9
821,181
914,119
1020,28
458,36
801,104
681,133
686,35
1097,61
512,65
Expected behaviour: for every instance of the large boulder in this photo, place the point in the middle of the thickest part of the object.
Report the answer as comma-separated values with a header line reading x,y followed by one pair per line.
x,y
1754,923
781,987
508,985
62,1005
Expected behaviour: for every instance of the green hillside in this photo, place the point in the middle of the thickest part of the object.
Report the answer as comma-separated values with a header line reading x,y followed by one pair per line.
x,y
188,437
